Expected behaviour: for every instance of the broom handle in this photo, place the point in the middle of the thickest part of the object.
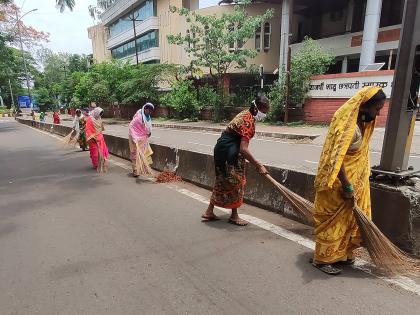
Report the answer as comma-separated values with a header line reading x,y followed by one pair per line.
x,y
273,181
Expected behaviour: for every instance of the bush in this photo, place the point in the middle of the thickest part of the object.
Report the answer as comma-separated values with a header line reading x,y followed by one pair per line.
x,y
308,61
183,99
207,97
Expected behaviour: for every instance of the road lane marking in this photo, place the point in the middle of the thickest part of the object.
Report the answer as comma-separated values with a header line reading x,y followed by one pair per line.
x,y
402,281
313,162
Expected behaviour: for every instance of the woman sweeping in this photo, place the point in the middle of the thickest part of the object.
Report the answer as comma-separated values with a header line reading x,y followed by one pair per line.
x,y
97,146
230,155
140,130
343,179
56,118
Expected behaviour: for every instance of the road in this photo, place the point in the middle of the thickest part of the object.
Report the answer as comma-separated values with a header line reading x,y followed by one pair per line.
x,y
76,242
289,154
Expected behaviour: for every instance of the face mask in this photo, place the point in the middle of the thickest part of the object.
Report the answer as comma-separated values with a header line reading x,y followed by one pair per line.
x,y
260,115
366,117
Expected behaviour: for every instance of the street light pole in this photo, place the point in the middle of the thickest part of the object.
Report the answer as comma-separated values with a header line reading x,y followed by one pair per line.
x,y
18,19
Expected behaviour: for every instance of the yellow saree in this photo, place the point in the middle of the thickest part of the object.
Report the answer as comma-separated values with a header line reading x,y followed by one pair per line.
x,y
336,231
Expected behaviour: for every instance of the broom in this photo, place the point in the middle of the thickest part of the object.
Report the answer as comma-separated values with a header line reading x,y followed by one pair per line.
x,y
102,167
384,254
142,165
74,140
67,139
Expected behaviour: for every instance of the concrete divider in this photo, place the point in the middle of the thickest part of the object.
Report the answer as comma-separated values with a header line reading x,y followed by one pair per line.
x,y
396,210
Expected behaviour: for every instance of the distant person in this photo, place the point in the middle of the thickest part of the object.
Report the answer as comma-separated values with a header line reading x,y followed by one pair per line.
x,y
230,155
343,179
82,125
97,146
56,117
140,129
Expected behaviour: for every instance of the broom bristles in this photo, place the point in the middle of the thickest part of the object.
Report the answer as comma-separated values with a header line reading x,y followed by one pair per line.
x,y
384,254
66,139
142,165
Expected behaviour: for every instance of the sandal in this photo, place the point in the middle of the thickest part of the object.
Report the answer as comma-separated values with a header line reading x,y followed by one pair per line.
x,y
348,262
210,218
327,268
238,222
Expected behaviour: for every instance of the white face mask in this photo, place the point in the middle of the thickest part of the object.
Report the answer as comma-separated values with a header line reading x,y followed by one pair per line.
x,y
260,115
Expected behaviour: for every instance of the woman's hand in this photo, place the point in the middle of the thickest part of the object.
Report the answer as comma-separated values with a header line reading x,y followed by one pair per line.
x,y
261,169
348,191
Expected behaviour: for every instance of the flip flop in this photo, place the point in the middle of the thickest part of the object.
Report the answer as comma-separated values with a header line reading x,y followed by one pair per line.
x,y
327,268
210,218
238,222
348,262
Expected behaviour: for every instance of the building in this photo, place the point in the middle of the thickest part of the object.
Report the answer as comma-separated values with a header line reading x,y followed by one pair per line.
x,y
153,22
98,35
357,32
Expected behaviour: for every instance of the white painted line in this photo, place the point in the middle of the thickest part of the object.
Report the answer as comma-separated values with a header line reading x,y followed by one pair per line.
x,y
313,162
204,145
187,131
401,281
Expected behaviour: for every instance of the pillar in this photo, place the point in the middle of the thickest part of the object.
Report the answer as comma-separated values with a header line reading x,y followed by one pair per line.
x,y
286,13
370,32
344,66
349,17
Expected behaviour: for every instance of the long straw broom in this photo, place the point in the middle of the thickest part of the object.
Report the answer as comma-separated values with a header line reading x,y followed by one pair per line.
x,y
142,165
384,254
67,139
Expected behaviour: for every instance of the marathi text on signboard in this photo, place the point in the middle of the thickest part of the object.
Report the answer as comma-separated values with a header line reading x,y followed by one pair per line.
x,y
346,87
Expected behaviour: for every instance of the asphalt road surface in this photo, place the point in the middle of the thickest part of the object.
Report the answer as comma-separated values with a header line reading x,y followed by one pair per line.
x,y
76,242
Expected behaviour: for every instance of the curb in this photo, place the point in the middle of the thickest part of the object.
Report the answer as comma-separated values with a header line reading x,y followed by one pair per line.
x,y
279,135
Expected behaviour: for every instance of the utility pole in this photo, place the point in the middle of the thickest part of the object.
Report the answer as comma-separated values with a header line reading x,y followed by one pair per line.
x,y
403,107
134,19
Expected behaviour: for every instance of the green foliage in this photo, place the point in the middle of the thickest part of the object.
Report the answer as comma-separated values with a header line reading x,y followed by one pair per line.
x,y
207,97
58,73
44,99
217,43
12,70
308,61
183,99
143,80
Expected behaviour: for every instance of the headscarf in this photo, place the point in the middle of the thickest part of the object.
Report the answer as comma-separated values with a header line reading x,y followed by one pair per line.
x,y
339,137
147,119
96,118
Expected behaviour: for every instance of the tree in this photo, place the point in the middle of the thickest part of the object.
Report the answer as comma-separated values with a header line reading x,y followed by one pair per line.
x,y
44,99
308,61
12,25
63,4
12,71
216,42
144,80
101,5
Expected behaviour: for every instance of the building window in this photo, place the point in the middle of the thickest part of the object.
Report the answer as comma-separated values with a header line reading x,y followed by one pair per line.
x,y
267,36
144,42
258,38
144,11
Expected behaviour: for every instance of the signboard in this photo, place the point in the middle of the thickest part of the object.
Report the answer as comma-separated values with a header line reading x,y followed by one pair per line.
x,y
24,101
346,87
